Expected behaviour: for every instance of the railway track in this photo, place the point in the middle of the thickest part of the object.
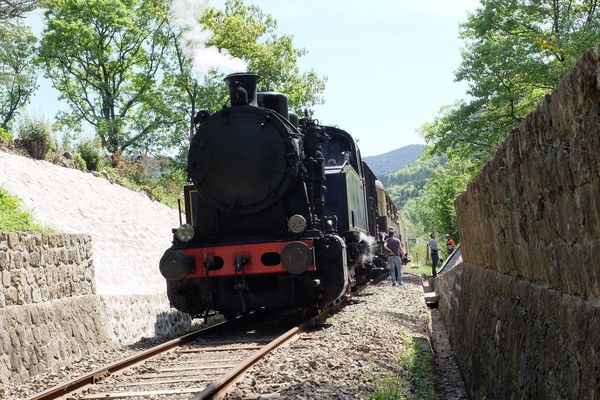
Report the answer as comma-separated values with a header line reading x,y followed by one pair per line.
x,y
205,363
201,365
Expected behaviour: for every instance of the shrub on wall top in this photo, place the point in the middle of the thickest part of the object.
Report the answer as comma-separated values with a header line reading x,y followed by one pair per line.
x,y
35,135
90,152
5,136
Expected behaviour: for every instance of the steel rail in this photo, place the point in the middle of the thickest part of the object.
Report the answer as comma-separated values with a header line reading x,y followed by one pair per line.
x,y
90,378
219,387
212,390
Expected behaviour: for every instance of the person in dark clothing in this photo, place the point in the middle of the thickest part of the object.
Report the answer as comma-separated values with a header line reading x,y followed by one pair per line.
x,y
433,249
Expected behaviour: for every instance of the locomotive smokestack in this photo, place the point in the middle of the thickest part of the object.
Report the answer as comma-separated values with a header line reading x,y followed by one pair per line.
x,y
242,88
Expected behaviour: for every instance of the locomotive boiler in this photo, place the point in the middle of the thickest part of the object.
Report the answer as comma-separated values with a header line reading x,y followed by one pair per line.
x,y
280,213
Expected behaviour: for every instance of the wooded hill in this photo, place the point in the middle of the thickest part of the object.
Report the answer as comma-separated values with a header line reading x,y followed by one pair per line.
x,y
392,161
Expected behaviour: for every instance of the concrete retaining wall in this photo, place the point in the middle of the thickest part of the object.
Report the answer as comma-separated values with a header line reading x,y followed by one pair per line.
x,y
524,308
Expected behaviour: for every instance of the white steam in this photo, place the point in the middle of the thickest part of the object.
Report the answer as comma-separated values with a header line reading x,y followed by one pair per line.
x,y
372,243
186,15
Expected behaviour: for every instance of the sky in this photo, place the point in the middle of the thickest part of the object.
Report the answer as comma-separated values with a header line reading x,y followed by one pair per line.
x,y
389,63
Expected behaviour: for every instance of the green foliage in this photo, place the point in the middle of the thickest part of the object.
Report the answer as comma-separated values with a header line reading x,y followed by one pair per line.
x,y
409,181
245,32
418,264
434,209
390,388
5,136
12,219
88,150
515,52
35,135
250,34
161,179
169,186
65,144
417,359
103,56
79,162
18,74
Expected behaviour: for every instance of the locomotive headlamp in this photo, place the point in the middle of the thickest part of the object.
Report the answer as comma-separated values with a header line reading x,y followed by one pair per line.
x,y
296,257
175,266
185,233
297,223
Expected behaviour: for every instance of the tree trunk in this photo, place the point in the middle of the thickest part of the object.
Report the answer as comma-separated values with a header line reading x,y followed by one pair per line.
x,y
115,158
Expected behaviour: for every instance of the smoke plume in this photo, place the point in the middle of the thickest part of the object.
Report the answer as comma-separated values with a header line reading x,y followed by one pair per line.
x,y
186,15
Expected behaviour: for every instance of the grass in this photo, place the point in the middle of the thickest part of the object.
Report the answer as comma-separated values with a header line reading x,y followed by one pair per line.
x,y
390,388
12,219
417,360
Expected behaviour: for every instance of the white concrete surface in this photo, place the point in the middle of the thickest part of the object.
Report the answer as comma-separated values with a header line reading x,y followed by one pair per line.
x,y
129,231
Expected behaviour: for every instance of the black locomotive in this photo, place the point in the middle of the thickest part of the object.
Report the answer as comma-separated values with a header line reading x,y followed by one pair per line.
x,y
280,213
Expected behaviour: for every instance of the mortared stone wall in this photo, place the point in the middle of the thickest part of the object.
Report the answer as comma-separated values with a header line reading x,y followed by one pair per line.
x,y
50,313
523,310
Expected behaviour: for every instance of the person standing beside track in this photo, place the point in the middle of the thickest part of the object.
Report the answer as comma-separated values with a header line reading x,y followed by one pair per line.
x,y
393,246
433,248
450,245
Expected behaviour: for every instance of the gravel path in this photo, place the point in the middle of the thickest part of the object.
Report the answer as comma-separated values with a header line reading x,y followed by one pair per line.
x,y
347,356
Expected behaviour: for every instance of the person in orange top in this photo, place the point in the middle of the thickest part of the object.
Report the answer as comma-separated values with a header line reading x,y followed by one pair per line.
x,y
450,245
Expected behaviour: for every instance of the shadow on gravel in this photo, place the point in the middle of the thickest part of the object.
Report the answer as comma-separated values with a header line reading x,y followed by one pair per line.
x,y
319,327
315,389
363,294
407,320
354,300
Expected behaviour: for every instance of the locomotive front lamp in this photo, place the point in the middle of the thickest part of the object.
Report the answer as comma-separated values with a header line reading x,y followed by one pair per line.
x,y
296,257
297,223
185,233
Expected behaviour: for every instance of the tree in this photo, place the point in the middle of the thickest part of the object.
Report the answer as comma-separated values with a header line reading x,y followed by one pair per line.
x,y
18,78
103,57
434,209
247,33
250,34
10,9
516,52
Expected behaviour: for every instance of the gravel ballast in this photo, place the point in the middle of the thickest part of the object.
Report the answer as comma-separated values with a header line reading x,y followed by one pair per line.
x,y
347,357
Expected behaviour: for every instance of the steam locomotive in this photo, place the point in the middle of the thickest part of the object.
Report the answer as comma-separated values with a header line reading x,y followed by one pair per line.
x,y
279,213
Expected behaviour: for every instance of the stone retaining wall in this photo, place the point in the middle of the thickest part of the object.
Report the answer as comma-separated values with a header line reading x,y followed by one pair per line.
x,y
524,308
50,314
130,318
39,268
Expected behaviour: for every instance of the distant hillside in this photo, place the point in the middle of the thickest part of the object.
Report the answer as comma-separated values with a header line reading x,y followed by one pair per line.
x,y
392,161
409,181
